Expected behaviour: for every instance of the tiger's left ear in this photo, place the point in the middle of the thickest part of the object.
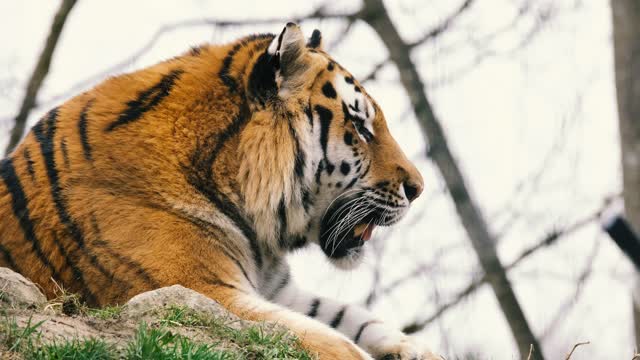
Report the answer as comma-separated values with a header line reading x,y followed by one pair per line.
x,y
287,50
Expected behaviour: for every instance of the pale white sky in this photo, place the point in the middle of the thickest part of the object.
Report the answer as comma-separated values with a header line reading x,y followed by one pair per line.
x,y
548,106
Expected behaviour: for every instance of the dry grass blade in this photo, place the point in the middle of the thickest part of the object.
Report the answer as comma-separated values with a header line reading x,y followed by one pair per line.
x,y
530,352
575,347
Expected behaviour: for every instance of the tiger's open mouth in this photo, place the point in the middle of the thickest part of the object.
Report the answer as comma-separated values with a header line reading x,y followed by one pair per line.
x,y
364,231
344,230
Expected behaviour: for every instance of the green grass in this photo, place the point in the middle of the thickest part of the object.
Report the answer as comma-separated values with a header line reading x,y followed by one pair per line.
x,y
106,313
183,316
16,338
159,340
270,345
162,344
254,342
86,349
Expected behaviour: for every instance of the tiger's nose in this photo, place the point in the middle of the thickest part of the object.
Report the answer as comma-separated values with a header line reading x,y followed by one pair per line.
x,y
412,182
412,190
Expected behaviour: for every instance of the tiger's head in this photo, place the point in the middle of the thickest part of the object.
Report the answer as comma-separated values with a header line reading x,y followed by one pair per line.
x,y
318,163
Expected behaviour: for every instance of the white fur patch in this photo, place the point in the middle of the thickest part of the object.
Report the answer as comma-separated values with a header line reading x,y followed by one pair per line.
x,y
273,47
357,103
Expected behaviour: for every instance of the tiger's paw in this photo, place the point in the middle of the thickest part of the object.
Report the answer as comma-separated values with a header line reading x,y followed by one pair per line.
x,y
404,348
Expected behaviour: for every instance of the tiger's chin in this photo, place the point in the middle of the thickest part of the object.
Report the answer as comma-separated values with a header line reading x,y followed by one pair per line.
x,y
344,243
346,250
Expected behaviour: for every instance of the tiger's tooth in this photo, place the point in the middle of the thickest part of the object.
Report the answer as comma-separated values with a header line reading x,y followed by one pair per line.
x,y
359,229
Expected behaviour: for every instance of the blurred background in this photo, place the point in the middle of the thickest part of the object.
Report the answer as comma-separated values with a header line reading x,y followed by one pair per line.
x,y
515,101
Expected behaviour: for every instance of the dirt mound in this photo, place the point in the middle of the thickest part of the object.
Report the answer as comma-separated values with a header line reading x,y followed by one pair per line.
x,y
168,323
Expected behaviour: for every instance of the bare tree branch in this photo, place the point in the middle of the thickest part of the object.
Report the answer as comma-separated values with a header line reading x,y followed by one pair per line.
x,y
319,13
343,34
626,46
372,74
39,73
445,25
547,241
375,14
430,35
568,305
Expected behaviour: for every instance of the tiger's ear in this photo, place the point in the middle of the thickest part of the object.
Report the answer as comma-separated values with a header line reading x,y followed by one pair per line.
x,y
288,50
315,41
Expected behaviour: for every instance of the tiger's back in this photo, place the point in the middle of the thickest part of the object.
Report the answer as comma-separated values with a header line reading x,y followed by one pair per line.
x,y
106,155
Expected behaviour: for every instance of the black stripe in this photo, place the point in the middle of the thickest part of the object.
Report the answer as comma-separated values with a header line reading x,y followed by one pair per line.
x,y
195,50
361,329
227,79
82,129
280,39
366,171
147,100
325,122
300,155
313,311
244,272
299,241
281,285
307,201
133,265
222,283
337,320
77,273
214,279
48,153
21,212
8,258
329,91
282,216
65,153
209,230
307,110
358,122
319,169
27,158
200,176
227,252
224,72
262,84
352,182
299,162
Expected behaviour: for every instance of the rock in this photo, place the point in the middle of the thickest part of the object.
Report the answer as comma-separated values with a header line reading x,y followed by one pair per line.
x,y
18,292
176,295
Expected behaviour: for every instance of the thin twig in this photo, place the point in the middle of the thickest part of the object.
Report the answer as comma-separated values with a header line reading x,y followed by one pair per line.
x,y
446,24
547,241
319,13
39,73
430,35
574,348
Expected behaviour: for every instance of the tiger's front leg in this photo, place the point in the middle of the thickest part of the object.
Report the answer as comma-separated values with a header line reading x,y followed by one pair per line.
x,y
357,324
317,338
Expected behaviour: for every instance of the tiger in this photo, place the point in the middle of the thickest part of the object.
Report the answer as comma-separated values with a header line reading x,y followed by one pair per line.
x,y
206,170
